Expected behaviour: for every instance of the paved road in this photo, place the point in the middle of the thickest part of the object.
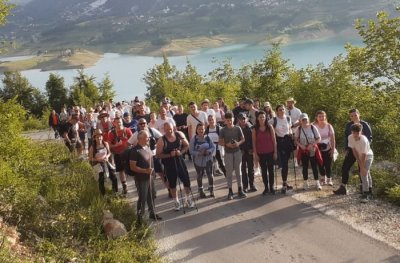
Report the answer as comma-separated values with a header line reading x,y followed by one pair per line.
x,y
256,229
259,229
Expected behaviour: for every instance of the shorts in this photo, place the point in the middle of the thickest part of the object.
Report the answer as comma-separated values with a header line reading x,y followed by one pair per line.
x,y
157,165
119,167
174,169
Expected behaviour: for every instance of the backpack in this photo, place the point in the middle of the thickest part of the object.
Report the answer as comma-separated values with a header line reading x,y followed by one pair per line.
x,y
276,121
125,161
208,140
152,140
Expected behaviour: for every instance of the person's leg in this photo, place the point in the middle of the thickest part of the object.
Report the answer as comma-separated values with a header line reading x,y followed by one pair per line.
x,y
245,178
367,180
210,176
102,189
250,172
200,173
271,174
237,166
264,171
220,161
348,162
314,167
304,161
142,189
229,163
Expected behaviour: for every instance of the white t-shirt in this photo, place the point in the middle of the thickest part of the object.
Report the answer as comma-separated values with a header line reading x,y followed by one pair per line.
x,y
160,124
361,146
210,112
308,135
282,126
294,114
326,133
133,140
192,122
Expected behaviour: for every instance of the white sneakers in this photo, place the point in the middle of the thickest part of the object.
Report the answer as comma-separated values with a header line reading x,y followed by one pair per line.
x,y
330,183
305,185
318,185
177,206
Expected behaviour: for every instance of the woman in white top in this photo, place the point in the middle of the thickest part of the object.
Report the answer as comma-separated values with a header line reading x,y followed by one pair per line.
x,y
282,125
326,146
219,113
307,139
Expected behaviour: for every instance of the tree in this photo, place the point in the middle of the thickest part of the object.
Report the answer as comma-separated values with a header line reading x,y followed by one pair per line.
x,y
18,87
106,89
56,92
84,91
378,62
5,9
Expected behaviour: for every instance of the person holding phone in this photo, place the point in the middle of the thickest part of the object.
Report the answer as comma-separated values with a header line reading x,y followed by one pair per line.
x,y
231,137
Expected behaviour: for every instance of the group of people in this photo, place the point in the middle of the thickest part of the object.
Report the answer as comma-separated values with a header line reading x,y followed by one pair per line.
x,y
217,140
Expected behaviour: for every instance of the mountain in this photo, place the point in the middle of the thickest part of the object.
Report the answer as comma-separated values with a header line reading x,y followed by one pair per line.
x,y
119,24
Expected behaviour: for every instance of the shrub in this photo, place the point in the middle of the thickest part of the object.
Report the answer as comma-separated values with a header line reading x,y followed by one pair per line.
x,y
33,123
394,194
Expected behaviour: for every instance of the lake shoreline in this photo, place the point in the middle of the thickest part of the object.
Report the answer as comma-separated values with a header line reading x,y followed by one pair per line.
x,y
88,57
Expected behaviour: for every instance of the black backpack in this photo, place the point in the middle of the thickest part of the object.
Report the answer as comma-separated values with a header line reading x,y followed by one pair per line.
x,y
125,161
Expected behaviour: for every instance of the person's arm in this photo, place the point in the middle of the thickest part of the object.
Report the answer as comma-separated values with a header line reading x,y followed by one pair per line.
x,y
90,155
253,141
137,169
274,142
221,140
242,139
159,150
332,140
192,147
184,144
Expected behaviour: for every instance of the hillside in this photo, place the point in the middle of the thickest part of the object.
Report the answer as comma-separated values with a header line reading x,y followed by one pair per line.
x,y
140,26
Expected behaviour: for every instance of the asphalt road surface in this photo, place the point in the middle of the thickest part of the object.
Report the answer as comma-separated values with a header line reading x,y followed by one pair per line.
x,y
272,228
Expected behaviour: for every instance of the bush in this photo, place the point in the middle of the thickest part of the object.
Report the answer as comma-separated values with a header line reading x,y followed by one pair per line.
x,y
33,123
394,194
54,201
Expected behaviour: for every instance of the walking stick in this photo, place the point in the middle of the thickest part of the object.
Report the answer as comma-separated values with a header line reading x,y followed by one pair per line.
x,y
191,193
295,175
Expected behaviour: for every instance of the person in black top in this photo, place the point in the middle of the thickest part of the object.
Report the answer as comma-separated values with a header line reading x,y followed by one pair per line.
x,y
71,135
170,149
349,158
239,109
140,162
181,125
247,155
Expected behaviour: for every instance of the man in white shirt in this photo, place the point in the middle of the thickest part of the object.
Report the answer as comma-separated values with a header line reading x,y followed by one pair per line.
x,y
361,149
294,114
163,119
195,117
205,106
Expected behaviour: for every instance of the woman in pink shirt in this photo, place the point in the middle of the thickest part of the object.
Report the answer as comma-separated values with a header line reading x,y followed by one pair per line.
x,y
264,143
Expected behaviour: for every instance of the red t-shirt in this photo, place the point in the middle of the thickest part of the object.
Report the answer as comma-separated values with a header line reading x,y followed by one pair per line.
x,y
264,143
123,136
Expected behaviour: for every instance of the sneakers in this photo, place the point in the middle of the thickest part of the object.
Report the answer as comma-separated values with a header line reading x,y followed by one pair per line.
x,y
284,189
323,180
266,191
289,187
329,182
341,190
190,203
318,185
253,189
177,206
241,194
365,197
305,185
124,188
155,216
201,193
272,191
230,196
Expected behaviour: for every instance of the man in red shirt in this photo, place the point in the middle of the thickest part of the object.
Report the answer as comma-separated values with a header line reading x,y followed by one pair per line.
x,y
118,139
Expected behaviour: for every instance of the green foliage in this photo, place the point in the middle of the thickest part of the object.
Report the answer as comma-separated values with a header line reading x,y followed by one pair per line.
x,y
106,89
17,86
54,201
394,194
57,92
378,63
84,91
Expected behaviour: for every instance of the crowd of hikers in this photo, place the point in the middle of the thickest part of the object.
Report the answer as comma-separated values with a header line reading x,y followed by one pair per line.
x,y
127,138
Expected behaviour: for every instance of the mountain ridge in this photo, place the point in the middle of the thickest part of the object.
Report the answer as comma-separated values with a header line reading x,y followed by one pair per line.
x,y
123,25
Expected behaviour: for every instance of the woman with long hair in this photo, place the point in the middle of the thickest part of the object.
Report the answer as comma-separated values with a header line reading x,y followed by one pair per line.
x,y
201,148
99,156
327,146
265,150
